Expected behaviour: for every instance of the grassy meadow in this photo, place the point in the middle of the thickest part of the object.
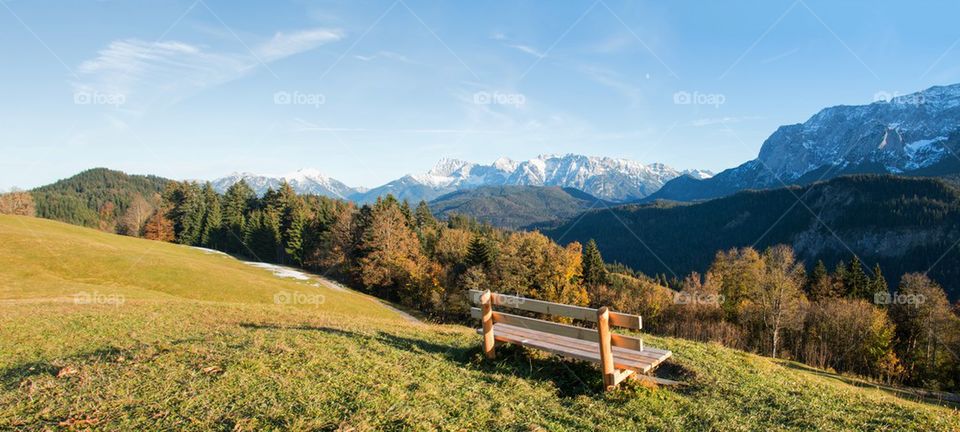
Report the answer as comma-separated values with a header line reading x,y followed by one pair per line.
x,y
104,332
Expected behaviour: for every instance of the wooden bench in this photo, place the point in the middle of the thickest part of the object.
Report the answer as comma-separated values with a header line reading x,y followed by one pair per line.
x,y
619,356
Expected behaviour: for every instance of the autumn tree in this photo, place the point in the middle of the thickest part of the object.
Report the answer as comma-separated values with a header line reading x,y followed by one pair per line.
x,y
926,329
738,273
17,203
392,261
158,227
777,302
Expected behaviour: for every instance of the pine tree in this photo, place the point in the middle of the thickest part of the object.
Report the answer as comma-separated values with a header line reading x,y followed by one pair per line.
x,y
818,283
857,282
594,271
478,253
187,209
839,279
212,218
878,284
424,216
236,203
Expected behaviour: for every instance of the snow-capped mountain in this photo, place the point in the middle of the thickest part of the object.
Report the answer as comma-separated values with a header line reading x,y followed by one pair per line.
x,y
914,134
607,178
304,181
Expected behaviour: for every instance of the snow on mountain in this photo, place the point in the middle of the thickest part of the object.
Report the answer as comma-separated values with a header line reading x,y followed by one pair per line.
x,y
607,178
304,181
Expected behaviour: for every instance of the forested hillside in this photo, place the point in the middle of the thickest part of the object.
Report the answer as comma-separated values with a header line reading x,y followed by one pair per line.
x,y
516,206
99,198
903,224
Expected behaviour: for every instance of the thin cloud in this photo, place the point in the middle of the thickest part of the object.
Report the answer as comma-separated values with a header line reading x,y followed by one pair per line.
x,y
527,49
287,44
389,55
164,72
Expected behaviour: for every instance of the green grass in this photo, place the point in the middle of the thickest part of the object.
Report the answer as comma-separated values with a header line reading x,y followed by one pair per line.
x,y
198,343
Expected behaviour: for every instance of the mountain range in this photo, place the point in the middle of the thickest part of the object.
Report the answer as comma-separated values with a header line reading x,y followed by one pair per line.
x,y
616,180
915,135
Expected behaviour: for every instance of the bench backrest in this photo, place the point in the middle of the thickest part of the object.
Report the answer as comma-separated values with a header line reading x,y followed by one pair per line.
x,y
557,309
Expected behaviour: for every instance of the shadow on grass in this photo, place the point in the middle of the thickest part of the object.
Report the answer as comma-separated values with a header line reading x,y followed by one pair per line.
x,y
910,394
570,378
12,376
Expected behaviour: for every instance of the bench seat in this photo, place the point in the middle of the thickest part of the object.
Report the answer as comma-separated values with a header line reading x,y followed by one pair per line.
x,y
623,358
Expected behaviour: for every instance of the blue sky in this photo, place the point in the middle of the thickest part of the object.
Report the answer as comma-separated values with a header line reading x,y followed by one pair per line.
x,y
366,91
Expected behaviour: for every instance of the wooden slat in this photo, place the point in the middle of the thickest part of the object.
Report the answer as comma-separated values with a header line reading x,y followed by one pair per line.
x,y
566,351
561,329
583,350
576,312
638,356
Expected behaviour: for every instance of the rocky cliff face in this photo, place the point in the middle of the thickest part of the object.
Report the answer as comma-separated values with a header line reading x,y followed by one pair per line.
x,y
900,135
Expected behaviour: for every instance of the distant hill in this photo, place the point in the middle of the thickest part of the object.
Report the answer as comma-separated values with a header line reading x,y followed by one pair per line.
x,y
517,206
78,199
905,224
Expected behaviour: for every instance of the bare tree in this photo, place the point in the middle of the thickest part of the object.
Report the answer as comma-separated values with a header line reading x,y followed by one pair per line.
x,y
134,219
17,202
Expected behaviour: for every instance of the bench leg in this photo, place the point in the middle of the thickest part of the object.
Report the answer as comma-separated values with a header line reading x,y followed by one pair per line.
x,y
489,343
606,352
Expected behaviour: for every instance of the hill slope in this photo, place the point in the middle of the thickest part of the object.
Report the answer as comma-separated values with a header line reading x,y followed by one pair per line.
x,y
905,224
516,206
198,343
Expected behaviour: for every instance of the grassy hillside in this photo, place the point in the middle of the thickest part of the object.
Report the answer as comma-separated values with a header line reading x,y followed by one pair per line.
x,y
178,338
516,206
904,224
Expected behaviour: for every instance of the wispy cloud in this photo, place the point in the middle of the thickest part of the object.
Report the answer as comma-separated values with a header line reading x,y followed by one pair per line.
x,y
287,44
163,72
524,48
527,49
389,55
